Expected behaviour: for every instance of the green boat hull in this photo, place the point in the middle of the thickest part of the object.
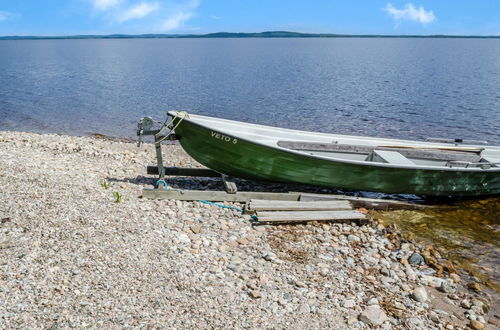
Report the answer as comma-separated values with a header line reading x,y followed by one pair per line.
x,y
244,159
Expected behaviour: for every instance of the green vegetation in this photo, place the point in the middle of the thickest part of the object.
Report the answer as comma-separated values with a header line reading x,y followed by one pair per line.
x,y
105,184
118,196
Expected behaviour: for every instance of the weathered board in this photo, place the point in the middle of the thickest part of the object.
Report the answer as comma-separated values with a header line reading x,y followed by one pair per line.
x,y
193,195
278,205
368,203
263,216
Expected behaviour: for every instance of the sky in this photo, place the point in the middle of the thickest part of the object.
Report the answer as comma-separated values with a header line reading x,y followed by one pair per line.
x,y
71,17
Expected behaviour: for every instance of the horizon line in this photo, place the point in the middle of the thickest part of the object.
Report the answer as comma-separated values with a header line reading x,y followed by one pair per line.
x,y
263,34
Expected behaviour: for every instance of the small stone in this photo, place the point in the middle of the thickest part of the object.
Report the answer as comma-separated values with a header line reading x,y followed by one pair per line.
x,y
363,210
255,294
304,309
474,324
493,321
196,229
478,303
448,287
455,277
385,271
242,241
349,303
416,259
419,294
373,301
373,315
353,238
183,238
434,317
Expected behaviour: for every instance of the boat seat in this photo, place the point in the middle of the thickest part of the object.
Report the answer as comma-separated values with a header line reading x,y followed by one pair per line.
x,y
391,157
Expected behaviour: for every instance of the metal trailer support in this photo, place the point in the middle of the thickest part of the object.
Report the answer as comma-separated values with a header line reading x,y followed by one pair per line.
x,y
144,127
159,163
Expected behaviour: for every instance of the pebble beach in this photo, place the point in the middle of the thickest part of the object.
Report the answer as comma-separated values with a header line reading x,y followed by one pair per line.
x,y
79,247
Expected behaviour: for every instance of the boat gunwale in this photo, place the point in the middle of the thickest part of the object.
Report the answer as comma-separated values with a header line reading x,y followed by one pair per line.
x,y
339,160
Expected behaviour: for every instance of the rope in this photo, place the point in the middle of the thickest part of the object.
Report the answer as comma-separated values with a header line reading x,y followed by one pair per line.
x,y
177,115
222,206
227,207
165,184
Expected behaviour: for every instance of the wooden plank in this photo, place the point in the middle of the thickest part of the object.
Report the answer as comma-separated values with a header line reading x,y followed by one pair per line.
x,y
213,196
368,203
409,152
269,205
309,216
202,172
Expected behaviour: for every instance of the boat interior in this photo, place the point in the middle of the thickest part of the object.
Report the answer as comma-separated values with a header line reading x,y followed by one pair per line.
x,y
403,153
398,155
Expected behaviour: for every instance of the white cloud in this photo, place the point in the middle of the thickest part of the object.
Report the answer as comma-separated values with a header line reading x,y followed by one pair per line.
x,y
105,4
179,17
5,15
157,15
215,17
175,21
140,10
410,13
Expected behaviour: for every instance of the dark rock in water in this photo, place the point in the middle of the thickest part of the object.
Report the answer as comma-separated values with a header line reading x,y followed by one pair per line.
x,y
416,259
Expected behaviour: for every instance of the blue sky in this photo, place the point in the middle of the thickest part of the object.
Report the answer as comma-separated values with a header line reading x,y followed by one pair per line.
x,y
65,17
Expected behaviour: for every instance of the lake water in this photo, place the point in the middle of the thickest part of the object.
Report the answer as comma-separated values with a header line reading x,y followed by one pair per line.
x,y
407,88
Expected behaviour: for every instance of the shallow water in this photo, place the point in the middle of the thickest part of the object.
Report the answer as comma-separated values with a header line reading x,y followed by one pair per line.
x,y
467,232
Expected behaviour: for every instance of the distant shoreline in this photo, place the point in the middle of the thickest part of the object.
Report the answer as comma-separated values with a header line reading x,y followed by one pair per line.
x,y
267,34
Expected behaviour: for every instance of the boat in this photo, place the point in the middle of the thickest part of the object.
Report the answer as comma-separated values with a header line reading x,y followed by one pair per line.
x,y
258,152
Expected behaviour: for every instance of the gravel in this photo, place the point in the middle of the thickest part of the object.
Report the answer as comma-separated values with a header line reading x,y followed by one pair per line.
x,y
71,256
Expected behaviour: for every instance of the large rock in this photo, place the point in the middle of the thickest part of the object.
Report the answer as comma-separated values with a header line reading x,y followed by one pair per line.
x,y
373,315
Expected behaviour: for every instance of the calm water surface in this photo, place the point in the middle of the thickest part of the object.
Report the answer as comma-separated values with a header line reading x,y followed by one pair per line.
x,y
411,88
406,88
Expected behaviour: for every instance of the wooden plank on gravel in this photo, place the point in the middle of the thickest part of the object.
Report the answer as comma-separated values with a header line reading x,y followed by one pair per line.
x,y
309,216
369,203
269,205
216,196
